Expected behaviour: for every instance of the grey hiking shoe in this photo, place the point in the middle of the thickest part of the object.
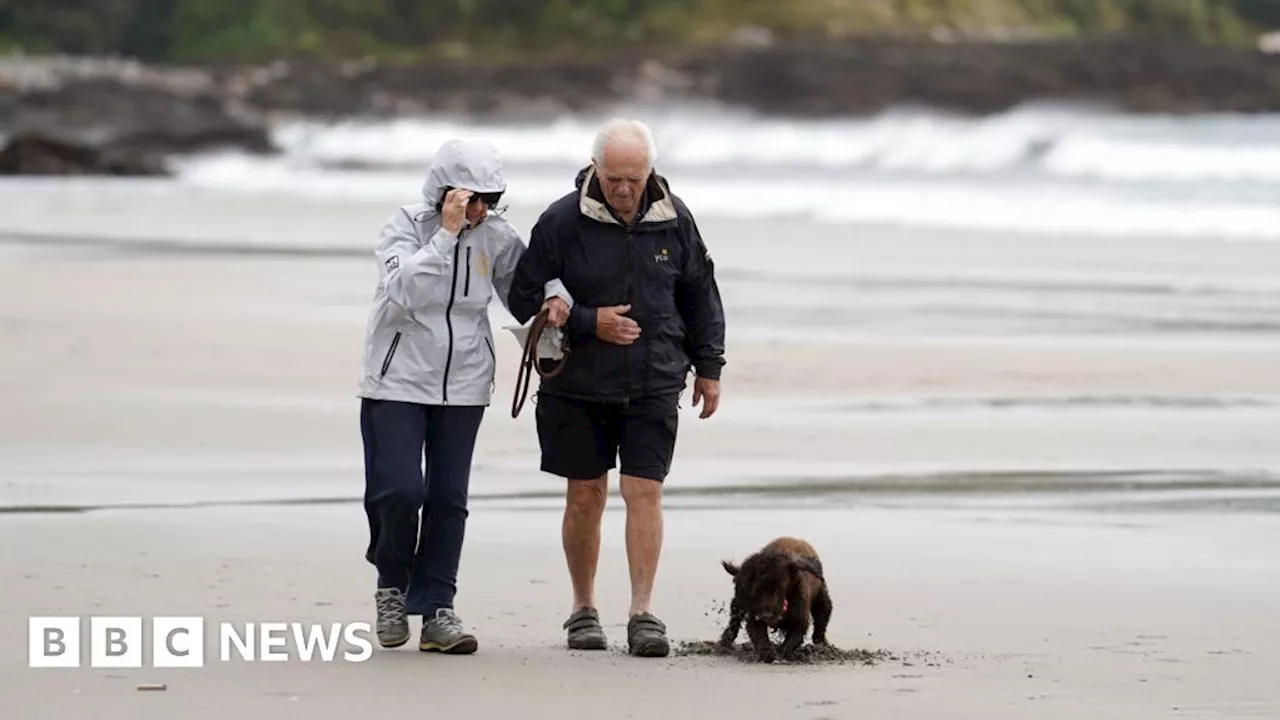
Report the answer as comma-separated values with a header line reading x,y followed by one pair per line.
x,y
585,632
445,633
393,623
647,636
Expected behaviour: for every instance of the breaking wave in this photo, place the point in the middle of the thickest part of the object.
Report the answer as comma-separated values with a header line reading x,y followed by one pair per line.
x,y
1035,169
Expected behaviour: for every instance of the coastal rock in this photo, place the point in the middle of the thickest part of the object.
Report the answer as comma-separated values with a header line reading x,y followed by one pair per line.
x,y
852,78
37,154
814,77
330,90
127,114
108,110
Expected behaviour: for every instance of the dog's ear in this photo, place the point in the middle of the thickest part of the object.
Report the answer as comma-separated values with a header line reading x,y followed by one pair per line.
x,y
729,567
809,565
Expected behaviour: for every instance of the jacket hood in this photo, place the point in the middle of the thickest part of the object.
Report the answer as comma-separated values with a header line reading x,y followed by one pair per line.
x,y
474,166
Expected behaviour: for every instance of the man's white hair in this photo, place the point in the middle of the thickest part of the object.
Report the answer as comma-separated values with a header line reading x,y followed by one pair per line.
x,y
621,132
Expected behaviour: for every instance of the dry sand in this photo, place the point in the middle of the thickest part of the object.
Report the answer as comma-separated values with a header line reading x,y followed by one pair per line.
x,y
137,378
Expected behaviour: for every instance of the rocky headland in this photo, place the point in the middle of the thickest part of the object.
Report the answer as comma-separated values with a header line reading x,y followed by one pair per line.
x,y
95,113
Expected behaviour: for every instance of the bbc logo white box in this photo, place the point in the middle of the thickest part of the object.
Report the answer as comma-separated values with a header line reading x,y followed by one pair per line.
x,y
177,642
115,642
54,642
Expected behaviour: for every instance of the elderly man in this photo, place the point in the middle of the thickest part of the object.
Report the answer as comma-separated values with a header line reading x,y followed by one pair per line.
x,y
645,308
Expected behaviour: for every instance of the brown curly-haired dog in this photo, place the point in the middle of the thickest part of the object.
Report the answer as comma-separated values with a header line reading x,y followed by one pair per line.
x,y
780,587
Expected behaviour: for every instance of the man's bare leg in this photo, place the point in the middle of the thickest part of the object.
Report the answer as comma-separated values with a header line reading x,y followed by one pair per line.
x,y
644,537
580,535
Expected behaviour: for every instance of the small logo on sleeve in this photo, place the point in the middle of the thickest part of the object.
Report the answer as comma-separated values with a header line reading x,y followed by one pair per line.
x,y
392,263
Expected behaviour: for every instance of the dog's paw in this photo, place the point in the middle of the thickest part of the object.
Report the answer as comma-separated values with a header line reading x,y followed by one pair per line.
x,y
787,654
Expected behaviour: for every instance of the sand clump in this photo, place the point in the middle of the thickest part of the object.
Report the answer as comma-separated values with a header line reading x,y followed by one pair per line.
x,y
808,654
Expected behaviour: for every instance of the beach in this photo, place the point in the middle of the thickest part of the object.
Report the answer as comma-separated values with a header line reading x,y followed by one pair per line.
x,y
1043,471
987,617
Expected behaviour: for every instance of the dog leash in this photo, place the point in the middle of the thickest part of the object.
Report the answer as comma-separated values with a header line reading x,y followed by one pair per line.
x,y
529,362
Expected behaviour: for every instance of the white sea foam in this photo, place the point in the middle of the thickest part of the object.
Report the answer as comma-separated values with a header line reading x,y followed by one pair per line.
x,y
1046,141
1028,171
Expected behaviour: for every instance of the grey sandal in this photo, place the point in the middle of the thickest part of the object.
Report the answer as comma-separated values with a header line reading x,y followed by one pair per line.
x,y
647,636
585,631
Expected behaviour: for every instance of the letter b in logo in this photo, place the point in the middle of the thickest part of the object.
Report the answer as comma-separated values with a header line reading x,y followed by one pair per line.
x,y
177,642
54,642
115,642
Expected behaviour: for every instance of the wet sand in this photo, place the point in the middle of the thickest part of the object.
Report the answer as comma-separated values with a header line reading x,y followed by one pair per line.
x,y
1076,526
135,377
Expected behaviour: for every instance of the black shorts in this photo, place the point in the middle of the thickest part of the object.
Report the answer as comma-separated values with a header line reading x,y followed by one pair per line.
x,y
582,440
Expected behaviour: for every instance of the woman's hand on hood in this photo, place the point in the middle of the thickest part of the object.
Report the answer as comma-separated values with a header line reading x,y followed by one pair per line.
x,y
454,210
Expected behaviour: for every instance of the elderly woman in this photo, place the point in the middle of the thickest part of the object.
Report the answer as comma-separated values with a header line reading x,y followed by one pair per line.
x,y
428,376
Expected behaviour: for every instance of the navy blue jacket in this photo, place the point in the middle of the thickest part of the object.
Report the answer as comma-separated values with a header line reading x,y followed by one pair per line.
x,y
658,265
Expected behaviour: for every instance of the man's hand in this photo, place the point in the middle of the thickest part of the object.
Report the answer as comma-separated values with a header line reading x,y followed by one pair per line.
x,y
557,311
455,209
708,391
613,326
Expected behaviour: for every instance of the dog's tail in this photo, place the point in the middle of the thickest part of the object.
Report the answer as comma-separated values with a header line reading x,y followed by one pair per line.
x,y
729,567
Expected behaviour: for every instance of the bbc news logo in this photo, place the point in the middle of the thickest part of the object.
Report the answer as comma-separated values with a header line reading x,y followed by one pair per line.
x,y
179,642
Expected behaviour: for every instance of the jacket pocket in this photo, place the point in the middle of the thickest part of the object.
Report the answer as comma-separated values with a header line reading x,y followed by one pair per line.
x,y
466,288
391,351
493,374
665,358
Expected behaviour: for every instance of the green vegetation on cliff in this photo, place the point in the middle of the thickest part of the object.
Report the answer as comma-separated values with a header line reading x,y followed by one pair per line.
x,y
214,30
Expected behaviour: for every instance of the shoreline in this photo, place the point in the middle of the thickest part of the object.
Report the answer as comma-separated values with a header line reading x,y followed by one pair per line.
x,y
1064,493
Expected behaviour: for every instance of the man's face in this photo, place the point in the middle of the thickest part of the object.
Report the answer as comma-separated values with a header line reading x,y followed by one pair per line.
x,y
622,178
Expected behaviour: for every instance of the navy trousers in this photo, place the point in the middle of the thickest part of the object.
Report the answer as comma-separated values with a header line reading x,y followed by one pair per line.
x,y
417,458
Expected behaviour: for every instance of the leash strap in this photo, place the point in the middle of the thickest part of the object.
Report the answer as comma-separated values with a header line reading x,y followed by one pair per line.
x,y
529,363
